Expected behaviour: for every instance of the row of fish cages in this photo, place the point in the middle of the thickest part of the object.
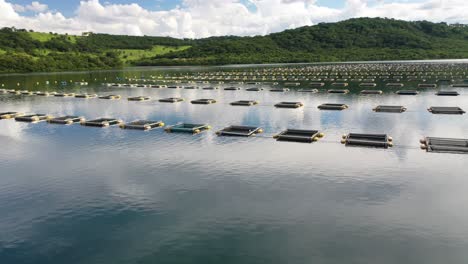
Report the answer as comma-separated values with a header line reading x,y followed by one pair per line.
x,y
365,74
231,88
301,75
311,90
454,110
337,80
312,83
60,94
344,72
355,69
430,144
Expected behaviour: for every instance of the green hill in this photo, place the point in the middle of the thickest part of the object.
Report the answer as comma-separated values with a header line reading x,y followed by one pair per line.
x,y
354,39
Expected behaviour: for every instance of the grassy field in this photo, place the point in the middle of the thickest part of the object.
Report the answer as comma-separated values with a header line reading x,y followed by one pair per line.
x,y
43,37
128,55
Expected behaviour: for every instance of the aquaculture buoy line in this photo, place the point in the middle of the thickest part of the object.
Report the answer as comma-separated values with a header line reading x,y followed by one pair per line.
x,y
256,89
423,74
366,75
207,101
284,90
430,144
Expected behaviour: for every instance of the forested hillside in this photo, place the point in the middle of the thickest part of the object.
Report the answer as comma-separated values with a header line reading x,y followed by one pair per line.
x,y
354,39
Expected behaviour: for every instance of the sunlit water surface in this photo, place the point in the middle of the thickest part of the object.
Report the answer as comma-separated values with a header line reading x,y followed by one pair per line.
x,y
73,194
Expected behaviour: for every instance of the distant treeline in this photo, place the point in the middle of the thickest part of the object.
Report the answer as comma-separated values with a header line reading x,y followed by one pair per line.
x,y
354,39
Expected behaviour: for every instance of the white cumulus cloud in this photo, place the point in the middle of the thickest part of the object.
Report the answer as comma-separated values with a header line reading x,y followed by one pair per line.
x,y
33,7
204,18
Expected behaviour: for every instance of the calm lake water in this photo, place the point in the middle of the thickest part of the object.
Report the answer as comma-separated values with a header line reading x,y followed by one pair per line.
x,y
74,194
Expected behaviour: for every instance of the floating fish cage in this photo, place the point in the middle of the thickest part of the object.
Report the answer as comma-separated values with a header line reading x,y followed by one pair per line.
x,y
142,125
292,84
203,101
444,110
172,100
46,93
367,84
340,84
427,85
407,92
390,109
369,92
24,92
111,97
232,88
452,145
64,94
396,80
66,120
289,105
368,140
460,85
210,88
395,85
191,87
332,107
317,84
86,96
445,81
447,93
254,89
308,90
158,86
10,115
338,91
299,135
188,128
33,118
174,87
240,131
245,103
102,122
280,90
139,98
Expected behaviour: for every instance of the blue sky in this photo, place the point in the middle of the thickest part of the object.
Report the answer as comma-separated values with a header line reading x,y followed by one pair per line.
x,y
67,7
